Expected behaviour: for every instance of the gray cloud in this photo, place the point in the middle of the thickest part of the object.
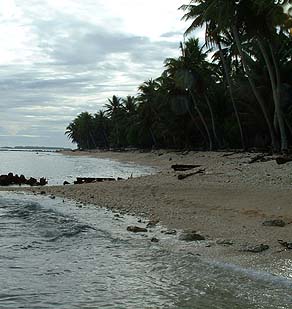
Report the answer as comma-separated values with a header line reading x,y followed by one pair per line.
x,y
75,65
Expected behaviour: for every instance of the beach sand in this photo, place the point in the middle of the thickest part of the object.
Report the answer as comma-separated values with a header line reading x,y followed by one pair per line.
x,y
226,203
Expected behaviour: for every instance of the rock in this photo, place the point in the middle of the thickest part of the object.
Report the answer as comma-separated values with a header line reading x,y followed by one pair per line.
x,y
136,229
190,236
66,183
279,223
287,245
43,181
31,181
169,232
152,223
153,239
43,192
256,249
224,242
52,197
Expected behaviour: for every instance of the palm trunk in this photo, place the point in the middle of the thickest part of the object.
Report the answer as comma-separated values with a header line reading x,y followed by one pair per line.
x,y
195,123
230,89
212,120
280,116
203,121
254,89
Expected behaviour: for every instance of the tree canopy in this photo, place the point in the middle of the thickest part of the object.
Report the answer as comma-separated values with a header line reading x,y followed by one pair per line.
x,y
232,91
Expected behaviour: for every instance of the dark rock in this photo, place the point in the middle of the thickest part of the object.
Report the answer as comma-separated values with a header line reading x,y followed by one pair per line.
x,y
31,181
279,223
43,181
52,197
43,192
191,236
169,232
256,249
153,239
66,183
136,229
287,245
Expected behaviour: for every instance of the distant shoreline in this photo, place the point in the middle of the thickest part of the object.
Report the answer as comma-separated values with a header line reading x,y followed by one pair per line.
x,y
227,203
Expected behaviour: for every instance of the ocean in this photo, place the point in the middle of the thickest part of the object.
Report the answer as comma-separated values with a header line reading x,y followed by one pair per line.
x,y
56,254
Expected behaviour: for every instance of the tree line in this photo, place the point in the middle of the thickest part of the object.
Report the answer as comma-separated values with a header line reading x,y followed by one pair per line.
x,y
234,91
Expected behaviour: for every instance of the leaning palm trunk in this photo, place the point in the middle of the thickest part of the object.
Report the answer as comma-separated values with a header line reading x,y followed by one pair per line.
x,y
203,121
197,126
212,120
282,118
230,89
254,89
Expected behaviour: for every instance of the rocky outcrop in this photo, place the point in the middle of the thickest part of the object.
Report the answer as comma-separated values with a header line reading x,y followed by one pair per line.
x,y
10,179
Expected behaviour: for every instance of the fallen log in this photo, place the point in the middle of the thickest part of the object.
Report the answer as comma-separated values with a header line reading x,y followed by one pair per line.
x,y
82,180
181,177
283,160
184,167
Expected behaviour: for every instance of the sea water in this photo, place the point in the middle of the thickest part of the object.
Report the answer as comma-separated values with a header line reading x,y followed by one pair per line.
x,y
56,254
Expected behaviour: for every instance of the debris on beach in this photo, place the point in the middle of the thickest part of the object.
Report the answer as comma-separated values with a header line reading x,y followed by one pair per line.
x,y
184,167
279,223
287,245
82,180
184,176
191,236
136,229
169,232
224,242
154,239
256,248
152,223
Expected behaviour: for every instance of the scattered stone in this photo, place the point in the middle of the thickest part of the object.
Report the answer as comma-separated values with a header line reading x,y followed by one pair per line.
x,y
287,245
225,242
136,229
191,236
52,197
169,232
152,223
43,192
256,249
66,183
153,239
279,223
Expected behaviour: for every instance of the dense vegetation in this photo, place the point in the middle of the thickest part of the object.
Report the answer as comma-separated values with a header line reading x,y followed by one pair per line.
x,y
235,91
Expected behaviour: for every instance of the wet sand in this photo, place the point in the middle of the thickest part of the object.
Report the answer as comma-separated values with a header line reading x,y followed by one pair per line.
x,y
227,202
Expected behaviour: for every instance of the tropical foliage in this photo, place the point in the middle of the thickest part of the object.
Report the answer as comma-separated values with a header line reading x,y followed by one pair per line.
x,y
234,91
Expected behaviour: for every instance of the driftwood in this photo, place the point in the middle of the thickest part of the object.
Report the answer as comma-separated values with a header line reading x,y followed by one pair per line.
x,y
81,180
181,177
184,167
283,160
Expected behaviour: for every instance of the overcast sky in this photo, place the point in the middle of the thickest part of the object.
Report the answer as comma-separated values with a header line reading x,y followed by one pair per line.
x,y
61,57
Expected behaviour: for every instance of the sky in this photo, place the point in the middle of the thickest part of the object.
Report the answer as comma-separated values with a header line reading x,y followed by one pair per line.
x,y
61,57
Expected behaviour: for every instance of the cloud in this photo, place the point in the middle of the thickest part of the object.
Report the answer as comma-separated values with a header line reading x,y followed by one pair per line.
x,y
59,58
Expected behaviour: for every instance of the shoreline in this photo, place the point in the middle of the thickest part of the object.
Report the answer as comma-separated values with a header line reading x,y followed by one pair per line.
x,y
227,203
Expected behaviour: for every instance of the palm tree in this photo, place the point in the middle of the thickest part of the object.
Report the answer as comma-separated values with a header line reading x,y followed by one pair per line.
x,y
113,109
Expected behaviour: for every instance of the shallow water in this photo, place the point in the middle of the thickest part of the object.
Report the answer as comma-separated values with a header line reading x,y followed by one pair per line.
x,y
57,167
57,255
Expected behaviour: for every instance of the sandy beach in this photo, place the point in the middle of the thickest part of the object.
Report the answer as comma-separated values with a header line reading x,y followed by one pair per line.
x,y
226,202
